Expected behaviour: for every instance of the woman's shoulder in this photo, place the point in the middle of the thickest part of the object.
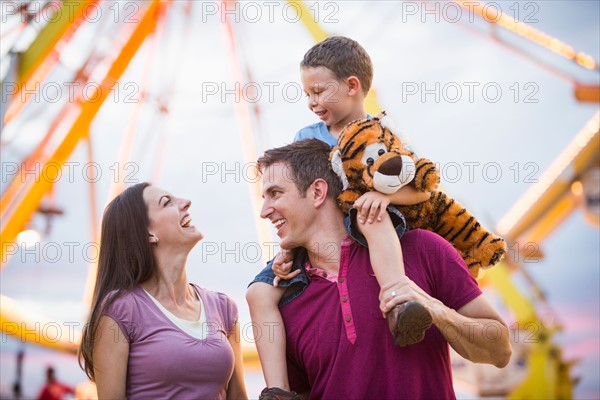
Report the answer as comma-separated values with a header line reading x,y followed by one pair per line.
x,y
124,301
213,296
225,305
127,309
124,295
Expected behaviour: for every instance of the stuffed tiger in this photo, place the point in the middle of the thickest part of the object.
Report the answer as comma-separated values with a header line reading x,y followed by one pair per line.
x,y
369,156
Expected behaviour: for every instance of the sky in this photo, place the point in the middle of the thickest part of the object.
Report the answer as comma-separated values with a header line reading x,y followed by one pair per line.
x,y
462,98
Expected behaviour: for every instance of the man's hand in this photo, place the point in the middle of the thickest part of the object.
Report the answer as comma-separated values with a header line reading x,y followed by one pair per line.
x,y
282,265
404,290
465,329
371,206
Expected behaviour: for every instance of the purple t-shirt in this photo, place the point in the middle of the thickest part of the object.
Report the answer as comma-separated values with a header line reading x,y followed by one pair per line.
x,y
167,363
339,345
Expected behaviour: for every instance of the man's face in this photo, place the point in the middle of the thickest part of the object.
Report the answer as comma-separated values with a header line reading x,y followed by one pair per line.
x,y
290,212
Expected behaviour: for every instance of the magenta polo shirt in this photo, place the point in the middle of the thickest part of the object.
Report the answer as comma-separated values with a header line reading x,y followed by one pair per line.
x,y
339,345
167,363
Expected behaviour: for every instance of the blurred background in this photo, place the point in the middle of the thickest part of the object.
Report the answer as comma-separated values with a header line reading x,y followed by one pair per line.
x,y
98,95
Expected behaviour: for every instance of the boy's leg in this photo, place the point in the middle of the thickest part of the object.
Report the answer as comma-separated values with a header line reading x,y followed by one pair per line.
x,y
409,321
263,300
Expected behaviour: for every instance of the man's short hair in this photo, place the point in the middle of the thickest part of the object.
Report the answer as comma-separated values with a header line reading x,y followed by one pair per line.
x,y
308,160
344,57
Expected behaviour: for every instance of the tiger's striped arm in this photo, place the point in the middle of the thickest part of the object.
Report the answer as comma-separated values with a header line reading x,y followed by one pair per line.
x,y
427,177
479,247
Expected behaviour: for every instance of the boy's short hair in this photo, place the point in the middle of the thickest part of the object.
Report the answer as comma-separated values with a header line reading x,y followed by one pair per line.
x,y
308,160
344,57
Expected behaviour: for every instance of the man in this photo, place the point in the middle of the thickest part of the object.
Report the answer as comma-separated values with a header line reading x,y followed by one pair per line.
x,y
53,389
338,345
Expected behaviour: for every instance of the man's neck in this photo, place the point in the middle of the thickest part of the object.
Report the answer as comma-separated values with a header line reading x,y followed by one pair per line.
x,y
325,247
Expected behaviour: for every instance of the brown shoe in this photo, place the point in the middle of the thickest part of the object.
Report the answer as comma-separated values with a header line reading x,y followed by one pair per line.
x,y
274,393
408,323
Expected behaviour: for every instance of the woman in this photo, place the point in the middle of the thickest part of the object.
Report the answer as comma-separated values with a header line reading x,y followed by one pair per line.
x,y
151,334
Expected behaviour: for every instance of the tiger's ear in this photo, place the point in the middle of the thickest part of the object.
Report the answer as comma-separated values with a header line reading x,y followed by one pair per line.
x,y
388,123
338,167
380,116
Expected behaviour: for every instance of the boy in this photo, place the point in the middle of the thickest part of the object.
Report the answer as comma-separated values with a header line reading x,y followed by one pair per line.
x,y
336,75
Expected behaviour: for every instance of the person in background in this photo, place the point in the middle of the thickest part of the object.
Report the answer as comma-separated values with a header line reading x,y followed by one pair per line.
x,y
53,389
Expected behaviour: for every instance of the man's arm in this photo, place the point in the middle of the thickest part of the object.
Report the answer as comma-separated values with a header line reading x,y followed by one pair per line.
x,y
476,331
488,338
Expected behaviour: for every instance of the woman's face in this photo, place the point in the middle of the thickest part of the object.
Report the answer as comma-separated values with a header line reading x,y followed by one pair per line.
x,y
170,220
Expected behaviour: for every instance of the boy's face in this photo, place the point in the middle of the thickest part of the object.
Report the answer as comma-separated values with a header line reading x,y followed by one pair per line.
x,y
333,101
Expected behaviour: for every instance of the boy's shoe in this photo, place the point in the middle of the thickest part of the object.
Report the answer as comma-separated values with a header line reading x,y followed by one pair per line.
x,y
408,323
274,393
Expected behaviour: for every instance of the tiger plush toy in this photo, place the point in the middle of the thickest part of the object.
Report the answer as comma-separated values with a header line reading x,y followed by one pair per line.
x,y
369,156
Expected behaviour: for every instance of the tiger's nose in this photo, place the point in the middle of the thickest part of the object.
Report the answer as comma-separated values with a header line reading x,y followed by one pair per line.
x,y
391,167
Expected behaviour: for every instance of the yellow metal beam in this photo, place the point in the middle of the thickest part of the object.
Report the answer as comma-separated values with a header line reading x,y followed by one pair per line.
x,y
44,52
560,210
15,211
541,370
68,16
309,22
533,217
28,328
499,277
493,15
548,376
540,200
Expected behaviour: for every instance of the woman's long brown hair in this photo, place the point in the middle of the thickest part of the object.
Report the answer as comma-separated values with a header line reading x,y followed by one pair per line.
x,y
125,260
